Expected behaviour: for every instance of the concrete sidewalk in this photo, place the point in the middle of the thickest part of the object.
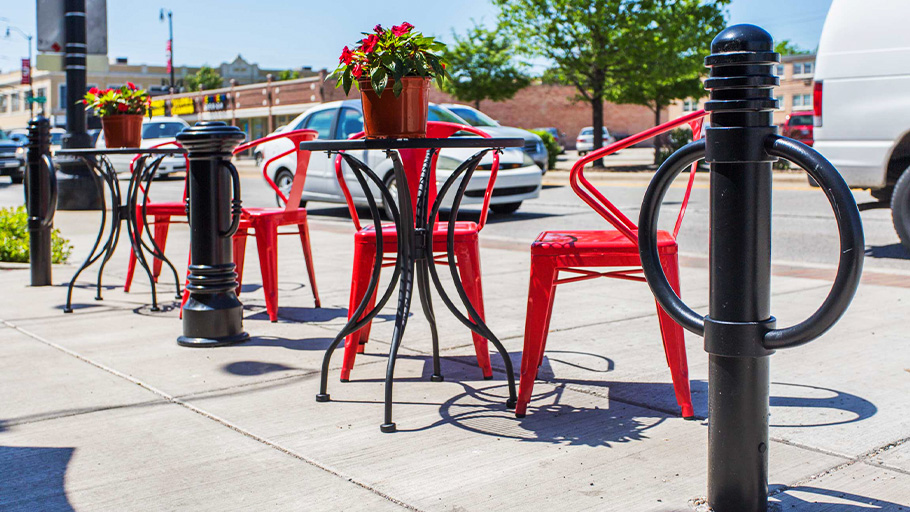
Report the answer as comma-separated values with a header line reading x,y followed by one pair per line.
x,y
103,411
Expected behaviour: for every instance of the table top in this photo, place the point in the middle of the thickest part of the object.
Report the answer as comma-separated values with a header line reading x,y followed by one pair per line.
x,y
424,143
120,151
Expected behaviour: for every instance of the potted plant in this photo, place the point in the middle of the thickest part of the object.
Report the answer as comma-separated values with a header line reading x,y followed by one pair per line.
x,y
121,112
400,59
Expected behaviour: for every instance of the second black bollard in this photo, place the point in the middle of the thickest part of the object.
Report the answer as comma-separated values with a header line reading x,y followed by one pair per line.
x,y
213,316
40,200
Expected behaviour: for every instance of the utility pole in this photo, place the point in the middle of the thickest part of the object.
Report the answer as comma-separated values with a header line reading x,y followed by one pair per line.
x,y
170,44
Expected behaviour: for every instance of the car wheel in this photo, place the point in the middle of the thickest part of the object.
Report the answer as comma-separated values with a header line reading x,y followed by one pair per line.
x,y
392,185
17,179
283,180
258,157
882,194
900,208
505,208
582,153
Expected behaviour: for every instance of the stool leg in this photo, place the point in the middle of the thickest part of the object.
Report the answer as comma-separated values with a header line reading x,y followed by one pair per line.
x,y
308,257
267,243
162,223
131,266
239,248
364,255
468,259
675,343
541,290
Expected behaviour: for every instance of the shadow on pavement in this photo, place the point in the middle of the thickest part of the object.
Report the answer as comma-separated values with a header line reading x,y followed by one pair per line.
x,y
832,400
892,251
277,341
816,499
33,478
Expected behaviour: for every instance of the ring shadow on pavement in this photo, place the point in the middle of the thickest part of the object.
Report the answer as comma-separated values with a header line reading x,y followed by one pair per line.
x,y
806,498
33,478
891,251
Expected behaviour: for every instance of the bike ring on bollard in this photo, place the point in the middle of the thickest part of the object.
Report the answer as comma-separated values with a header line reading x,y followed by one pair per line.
x,y
852,244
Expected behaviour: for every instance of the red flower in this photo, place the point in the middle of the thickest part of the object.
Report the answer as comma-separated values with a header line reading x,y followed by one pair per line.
x,y
131,85
377,28
94,90
346,56
122,107
400,30
369,43
357,71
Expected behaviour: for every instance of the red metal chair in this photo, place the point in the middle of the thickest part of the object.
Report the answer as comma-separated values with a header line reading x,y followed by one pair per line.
x,y
467,250
264,222
566,251
161,212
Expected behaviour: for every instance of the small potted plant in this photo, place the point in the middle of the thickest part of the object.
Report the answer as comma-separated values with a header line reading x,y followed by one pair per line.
x,y
400,59
121,112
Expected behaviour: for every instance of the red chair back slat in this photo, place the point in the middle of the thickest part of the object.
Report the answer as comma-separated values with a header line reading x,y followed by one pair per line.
x,y
292,200
599,203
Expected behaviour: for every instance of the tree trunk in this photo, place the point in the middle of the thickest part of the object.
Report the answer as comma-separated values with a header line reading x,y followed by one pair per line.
x,y
477,104
597,115
659,140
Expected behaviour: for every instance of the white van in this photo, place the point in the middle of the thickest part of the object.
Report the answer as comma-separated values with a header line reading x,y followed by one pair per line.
x,y
862,100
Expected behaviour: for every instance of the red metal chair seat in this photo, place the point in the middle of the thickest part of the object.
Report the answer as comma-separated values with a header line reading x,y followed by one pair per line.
x,y
467,249
576,252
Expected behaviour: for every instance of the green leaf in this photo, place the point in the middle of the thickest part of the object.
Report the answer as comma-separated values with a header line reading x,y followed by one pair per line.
x,y
379,79
346,80
397,87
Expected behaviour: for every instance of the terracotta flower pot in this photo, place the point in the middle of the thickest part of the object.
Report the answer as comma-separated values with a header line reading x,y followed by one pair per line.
x,y
391,117
122,131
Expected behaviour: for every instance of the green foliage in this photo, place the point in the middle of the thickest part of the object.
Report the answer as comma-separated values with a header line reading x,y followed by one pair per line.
x,y
392,54
288,74
14,238
204,79
483,67
786,47
676,139
127,99
552,146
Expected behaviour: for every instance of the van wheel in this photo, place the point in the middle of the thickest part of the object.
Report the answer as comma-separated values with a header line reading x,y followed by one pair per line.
x,y
505,208
900,208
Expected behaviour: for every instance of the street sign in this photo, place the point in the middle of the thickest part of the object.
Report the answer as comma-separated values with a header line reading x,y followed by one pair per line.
x,y
26,72
51,36
39,99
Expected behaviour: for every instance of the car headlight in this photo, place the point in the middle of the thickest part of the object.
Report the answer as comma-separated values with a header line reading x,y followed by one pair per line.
x,y
446,163
540,146
526,160
20,152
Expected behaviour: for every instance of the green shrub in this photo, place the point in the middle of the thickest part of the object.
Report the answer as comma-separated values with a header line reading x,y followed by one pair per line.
x,y
552,146
674,140
14,238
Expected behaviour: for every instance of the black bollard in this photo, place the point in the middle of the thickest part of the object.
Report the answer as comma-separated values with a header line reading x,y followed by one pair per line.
x,y
40,200
213,316
740,145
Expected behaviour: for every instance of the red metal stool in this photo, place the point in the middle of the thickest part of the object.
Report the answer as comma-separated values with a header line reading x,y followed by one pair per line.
x,y
568,251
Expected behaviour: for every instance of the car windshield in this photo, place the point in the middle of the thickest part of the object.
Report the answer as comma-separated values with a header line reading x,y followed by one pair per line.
x,y
161,130
590,131
473,117
3,135
440,114
800,120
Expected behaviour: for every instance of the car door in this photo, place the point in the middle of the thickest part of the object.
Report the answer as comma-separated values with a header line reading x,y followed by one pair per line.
x,y
350,122
320,174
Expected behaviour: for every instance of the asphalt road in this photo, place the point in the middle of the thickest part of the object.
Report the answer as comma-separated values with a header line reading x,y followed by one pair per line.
x,y
804,231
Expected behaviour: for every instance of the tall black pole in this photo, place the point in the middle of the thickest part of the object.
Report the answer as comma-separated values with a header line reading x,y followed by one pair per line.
x,y
40,200
78,190
213,316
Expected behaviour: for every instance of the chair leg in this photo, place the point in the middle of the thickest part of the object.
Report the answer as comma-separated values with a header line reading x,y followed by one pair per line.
x,y
131,266
186,293
239,249
468,258
267,243
541,290
162,223
364,255
308,256
675,343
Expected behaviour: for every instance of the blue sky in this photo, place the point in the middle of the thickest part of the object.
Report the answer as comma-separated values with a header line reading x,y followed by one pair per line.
x,y
293,33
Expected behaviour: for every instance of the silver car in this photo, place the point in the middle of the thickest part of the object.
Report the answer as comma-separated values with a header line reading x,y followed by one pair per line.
x,y
534,145
585,140
519,177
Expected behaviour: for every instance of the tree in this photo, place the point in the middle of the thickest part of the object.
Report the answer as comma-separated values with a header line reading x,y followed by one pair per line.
x,y
671,56
609,48
483,67
786,47
204,79
288,74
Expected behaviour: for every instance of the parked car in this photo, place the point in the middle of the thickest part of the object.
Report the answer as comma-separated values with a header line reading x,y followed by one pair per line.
x,y
155,130
12,158
519,178
533,144
861,101
19,135
585,141
559,136
798,125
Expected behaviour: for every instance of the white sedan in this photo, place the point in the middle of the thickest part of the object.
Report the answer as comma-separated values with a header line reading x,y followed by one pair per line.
x,y
519,178
585,140
155,130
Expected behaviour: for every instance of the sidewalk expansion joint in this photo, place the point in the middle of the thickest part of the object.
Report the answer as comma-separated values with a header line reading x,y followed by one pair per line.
x,y
177,401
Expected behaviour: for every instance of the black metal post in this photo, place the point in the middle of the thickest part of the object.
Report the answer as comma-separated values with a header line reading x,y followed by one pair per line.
x,y
78,189
740,145
40,199
213,316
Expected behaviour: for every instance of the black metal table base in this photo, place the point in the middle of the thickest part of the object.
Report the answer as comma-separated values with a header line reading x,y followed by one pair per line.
x,y
106,176
414,264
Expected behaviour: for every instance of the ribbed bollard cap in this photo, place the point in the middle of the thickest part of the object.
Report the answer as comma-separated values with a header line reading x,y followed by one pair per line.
x,y
210,137
742,38
742,76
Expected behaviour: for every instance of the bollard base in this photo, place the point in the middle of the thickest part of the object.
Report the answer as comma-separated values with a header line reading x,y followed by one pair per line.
x,y
185,341
388,428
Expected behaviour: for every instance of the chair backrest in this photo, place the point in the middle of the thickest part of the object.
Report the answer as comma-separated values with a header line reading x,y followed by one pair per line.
x,y
292,199
599,203
186,160
412,162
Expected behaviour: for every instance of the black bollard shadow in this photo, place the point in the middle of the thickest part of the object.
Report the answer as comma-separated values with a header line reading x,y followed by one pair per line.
x,y
33,478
